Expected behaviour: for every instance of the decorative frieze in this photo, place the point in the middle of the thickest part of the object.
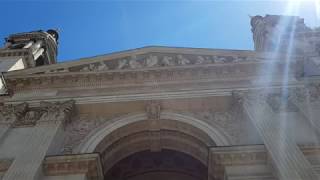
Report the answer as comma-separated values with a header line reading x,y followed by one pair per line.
x,y
151,60
108,79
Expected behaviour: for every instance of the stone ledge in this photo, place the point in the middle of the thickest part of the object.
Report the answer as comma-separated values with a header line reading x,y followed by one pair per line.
x,y
88,164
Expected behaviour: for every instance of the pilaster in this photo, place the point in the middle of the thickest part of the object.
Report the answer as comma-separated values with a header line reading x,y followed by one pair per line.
x,y
286,156
44,123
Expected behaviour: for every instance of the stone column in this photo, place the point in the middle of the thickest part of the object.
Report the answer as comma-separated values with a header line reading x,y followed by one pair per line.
x,y
289,160
50,119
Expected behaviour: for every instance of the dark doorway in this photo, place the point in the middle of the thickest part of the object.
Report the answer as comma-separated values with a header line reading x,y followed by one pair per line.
x,y
163,165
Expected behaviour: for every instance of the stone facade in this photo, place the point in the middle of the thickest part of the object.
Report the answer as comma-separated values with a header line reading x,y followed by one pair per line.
x,y
161,112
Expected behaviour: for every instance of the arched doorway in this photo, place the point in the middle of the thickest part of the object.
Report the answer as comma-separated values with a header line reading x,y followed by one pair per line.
x,y
175,137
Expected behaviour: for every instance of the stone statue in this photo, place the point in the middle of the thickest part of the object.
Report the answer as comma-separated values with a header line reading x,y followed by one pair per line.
x,y
133,63
122,63
167,61
259,31
200,60
152,61
102,67
182,60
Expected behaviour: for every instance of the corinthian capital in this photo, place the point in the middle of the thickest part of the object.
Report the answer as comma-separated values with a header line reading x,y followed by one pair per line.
x,y
11,113
56,111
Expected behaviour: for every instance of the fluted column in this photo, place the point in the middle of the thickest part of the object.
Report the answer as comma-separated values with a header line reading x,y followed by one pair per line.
x,y
289,160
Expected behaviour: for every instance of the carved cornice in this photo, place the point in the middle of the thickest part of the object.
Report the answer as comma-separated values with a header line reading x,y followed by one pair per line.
x,y
23,115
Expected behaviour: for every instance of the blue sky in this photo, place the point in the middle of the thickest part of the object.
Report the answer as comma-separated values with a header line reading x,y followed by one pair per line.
x,y
89,28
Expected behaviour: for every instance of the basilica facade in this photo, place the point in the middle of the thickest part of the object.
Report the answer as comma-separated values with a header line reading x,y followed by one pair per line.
x,y
164,112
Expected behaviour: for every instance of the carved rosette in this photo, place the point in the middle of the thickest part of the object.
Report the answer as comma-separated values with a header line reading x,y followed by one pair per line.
x,y
23,115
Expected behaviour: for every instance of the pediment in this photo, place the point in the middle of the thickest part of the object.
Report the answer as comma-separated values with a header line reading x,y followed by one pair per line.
x,y
147,58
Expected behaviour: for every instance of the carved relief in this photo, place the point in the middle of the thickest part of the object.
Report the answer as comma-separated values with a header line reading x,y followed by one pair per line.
x,y
154,60
101,66
77,130
167,61
182,60
153,110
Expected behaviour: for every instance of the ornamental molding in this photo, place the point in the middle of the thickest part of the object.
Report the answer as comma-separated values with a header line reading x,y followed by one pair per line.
x,y
21,115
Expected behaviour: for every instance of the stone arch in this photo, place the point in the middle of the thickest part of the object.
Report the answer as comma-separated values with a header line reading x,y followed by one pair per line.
x,y
90,143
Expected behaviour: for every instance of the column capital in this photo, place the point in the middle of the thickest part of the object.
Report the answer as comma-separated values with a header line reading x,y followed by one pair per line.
x,y
56,111
11,113
23,115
